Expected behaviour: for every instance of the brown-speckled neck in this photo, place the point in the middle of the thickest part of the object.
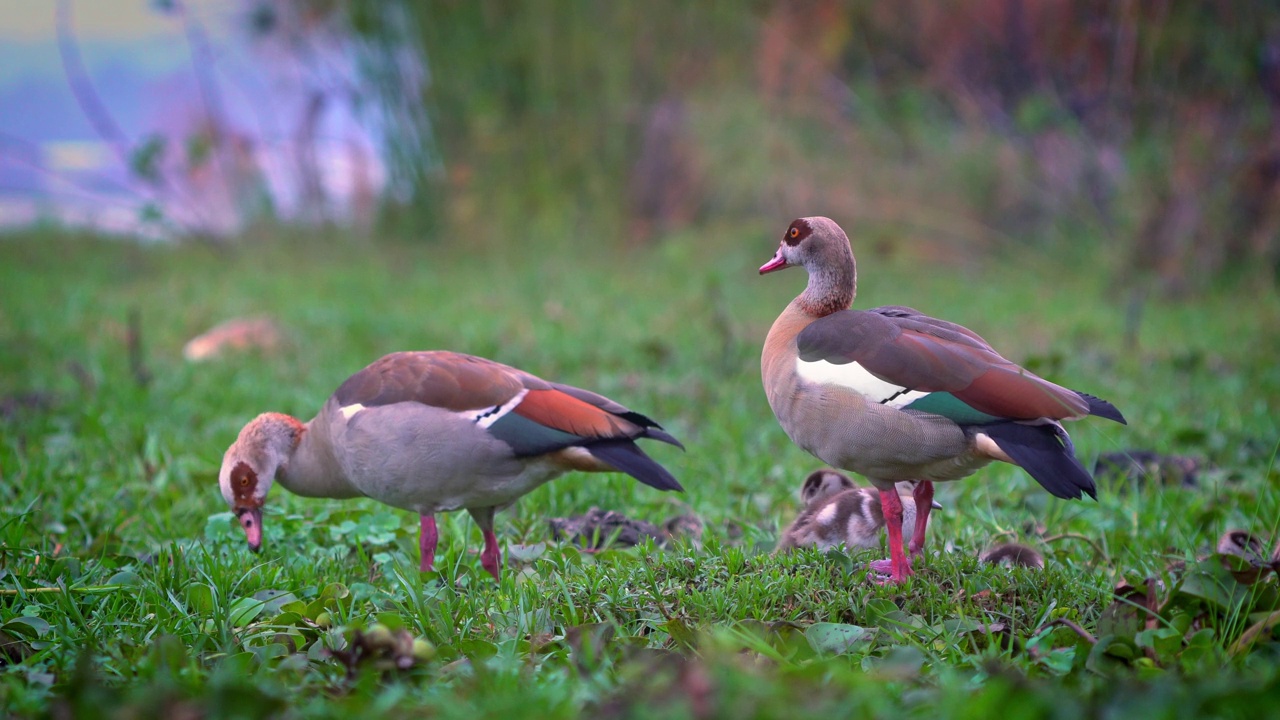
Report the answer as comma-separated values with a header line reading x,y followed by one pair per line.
x,y
833,279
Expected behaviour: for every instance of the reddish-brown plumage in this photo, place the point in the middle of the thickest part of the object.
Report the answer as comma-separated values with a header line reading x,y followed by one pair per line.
x,y
1010,392
244,483
561,411
925,362
798,231
930,355
445,380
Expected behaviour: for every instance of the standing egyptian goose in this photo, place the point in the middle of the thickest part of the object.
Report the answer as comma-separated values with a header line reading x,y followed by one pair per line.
x,y
896,395
433,432
837,512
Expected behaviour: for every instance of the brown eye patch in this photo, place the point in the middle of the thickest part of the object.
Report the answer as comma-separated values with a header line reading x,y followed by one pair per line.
x,y
798,231
244,481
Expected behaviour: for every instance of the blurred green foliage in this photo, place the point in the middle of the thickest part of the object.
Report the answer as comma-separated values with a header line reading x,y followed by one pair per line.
x,y
1150,126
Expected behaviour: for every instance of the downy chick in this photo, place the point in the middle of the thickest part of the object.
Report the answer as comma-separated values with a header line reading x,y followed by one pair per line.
x,y
1012,555
838,512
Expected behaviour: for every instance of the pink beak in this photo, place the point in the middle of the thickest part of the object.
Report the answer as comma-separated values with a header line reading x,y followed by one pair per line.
x,y
777,263
251,521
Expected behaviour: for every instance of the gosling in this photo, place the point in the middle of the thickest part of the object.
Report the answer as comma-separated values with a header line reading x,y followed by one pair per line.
x,y
838,512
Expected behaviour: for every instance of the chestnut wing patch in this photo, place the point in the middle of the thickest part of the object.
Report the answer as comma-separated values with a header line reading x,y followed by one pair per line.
x,y
898,357
550,419
447,380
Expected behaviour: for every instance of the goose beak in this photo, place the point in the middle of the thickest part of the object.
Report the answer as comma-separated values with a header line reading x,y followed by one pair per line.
x,y
251,521
777,263
936,505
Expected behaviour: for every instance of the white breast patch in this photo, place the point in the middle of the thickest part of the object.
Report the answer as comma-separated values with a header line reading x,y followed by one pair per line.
x,y
855,377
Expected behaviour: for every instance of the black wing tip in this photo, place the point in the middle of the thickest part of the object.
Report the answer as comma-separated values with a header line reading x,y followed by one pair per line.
x,y
1102,408
656,433
652,430
625,456
1045,453
639,419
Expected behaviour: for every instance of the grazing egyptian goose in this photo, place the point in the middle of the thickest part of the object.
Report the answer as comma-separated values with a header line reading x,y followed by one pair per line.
x,y
433,432
1012,555
896,395
836,512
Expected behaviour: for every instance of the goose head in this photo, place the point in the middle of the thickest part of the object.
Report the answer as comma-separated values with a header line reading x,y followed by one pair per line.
x,y
822,484
250,466
819,246
808,242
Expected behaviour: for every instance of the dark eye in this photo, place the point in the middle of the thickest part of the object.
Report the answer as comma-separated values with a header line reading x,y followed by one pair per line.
x,y
244,480
794,233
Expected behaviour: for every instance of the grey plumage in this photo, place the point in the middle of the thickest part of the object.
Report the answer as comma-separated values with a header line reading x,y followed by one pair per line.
x,y
438,431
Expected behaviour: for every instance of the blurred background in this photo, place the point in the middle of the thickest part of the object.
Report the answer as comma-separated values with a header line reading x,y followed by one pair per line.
x,y
215,208
1147,131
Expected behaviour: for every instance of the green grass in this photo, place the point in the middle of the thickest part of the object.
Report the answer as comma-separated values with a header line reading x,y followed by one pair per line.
x,y
128,590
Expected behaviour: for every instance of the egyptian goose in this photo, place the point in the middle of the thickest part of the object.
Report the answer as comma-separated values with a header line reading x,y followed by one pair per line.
x,y
896,395
838,512
433,432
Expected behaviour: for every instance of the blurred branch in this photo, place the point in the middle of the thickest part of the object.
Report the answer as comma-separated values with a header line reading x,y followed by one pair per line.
x,y
27,154
95,111
202,61
82,88
137,357
313,204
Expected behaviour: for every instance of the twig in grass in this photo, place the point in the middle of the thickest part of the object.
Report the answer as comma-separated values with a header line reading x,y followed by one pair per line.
x,y
1070,625
1099,553
1152,605
1004,533
137,364
84,589
653,588
1250,636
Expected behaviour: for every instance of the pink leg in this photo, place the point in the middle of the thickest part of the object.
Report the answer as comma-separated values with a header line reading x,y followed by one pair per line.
x,y
427,538
899,564
923,495
491,558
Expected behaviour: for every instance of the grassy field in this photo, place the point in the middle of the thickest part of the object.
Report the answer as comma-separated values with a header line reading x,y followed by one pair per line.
x,y
127,588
